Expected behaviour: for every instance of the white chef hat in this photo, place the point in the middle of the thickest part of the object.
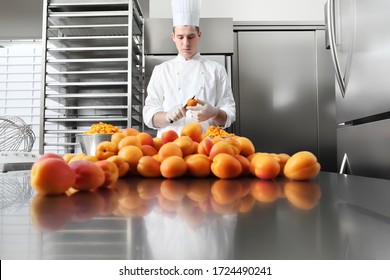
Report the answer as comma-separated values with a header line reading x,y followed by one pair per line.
x,y
186,12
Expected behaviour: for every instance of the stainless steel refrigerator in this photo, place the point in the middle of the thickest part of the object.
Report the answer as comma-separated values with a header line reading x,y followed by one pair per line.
x,y
358,33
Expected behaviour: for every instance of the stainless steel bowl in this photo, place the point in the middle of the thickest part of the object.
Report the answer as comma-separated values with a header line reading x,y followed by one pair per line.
x,y
89,142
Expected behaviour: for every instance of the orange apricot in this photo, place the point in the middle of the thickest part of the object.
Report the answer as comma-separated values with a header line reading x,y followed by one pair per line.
x,y
198,165
51,176
131,154
247,147
169,149
106,149
302,165
221,147
89,176
226,166
145,138
173,167
265,167
204,146
169,136
148,150
123,166
130,131
148,167
186,145
193,130
130,140
111,172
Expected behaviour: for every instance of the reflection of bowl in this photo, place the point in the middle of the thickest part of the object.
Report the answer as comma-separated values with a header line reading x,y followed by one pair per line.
x,y
89,142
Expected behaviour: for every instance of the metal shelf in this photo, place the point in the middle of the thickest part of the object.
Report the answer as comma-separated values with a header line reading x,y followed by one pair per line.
x,y
94,68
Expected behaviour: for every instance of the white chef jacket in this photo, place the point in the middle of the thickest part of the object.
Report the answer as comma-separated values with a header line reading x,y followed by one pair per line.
x,y
175,81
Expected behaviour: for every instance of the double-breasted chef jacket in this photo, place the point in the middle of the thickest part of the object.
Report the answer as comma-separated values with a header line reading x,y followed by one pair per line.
x,y
175,81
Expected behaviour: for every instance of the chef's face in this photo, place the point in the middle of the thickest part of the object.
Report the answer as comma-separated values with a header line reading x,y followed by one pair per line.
x,y
187,40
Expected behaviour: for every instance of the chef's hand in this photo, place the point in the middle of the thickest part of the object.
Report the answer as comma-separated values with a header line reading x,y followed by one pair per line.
x,y
203,111
175,113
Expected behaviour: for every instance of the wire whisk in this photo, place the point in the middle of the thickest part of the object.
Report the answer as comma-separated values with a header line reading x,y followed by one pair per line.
x,y
15,134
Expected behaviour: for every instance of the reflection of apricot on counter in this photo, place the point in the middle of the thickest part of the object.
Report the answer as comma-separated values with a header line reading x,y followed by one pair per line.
x,y
110,198
87,205
304,195
205,206
229,208
226,191
199,189
168,205
51,213
131,199
149,188
246,203
142,210
265,190
174,190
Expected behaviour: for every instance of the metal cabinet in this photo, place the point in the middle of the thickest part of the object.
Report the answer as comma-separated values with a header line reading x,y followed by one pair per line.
x,y
284,90
93,69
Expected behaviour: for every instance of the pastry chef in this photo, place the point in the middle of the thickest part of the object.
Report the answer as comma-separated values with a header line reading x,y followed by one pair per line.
x,y
189,74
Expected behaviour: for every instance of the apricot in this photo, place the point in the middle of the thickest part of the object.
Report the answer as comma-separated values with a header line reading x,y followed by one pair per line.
x,y
129,141
245,164
193,130
51,212
111,172
283,157
236,145
192,102
226,191
117,137
173,167
265,167
121,164
204,146
169,136
302,165
50,155
51,176
174,190
145,138
303,195
198,165
129,131
265,190
77,157
186,145
131,154
247,147
106,149
226,166
148,150
221,147
157,143
149,167
68,157
169,149
89,176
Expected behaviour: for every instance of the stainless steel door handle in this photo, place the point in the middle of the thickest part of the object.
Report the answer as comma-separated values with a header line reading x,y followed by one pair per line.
x,y
330,16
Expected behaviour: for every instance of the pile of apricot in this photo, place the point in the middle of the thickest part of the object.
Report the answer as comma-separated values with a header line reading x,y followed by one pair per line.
x,y
134,153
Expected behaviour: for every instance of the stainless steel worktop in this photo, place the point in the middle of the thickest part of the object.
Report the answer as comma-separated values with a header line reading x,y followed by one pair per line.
x,y
334,217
